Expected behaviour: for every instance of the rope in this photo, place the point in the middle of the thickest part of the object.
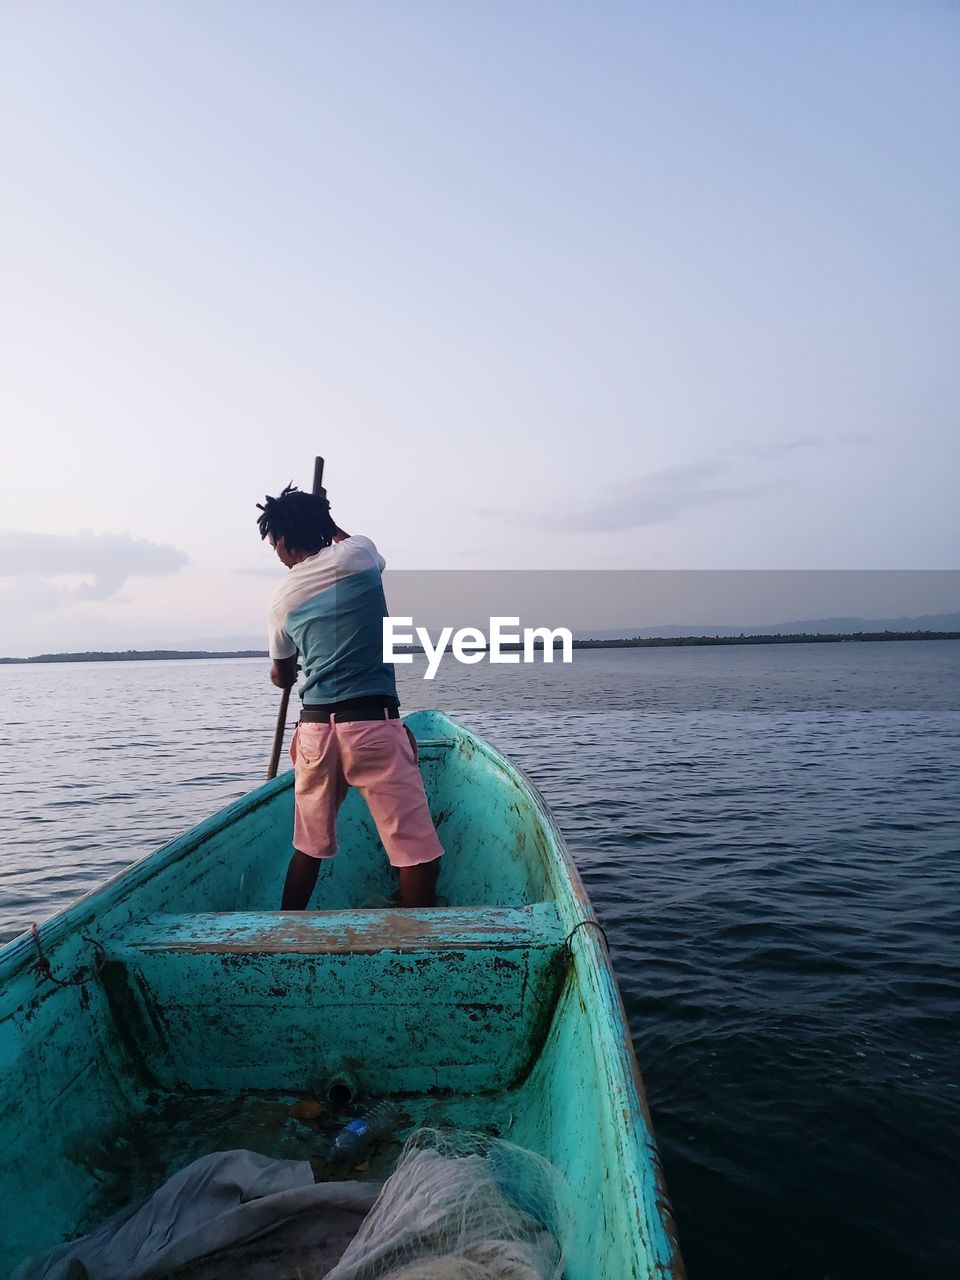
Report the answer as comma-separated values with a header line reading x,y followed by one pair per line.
x,y
42,966
583,924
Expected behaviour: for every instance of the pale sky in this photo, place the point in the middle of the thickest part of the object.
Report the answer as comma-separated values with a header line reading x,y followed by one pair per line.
x,y
549,285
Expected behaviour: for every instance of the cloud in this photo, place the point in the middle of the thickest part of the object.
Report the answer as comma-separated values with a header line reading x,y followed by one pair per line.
x,y
103,562
631,504
777,449
660,496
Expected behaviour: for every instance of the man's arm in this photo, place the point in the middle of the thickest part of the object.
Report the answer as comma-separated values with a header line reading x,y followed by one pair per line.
x,y
283,673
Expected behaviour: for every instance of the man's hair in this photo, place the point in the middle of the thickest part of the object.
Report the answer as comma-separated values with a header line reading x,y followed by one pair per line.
x,y
301,519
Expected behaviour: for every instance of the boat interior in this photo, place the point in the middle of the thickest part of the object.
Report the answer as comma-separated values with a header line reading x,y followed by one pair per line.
x,y
197,1016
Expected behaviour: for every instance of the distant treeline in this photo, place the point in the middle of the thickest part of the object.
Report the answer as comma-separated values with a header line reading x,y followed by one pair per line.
x,y
138,655
677,642
817,637
637,642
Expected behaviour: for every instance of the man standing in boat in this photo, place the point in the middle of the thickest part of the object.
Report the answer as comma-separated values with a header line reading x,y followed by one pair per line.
x,y
330,609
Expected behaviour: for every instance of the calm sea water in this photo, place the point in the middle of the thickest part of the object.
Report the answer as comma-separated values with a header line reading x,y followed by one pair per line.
x,y
771,837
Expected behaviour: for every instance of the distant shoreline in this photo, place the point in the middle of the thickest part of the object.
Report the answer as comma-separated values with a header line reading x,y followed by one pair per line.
x,y
637,642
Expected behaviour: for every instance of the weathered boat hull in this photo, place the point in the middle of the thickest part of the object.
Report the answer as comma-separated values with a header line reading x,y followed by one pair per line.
x,y
194,1012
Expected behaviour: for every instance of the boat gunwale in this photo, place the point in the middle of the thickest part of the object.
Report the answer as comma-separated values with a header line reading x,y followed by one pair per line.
x,y
15,953
594,949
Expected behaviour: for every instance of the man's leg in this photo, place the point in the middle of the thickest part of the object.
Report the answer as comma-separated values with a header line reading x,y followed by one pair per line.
x,y
319,790
418,885
379,758
300,882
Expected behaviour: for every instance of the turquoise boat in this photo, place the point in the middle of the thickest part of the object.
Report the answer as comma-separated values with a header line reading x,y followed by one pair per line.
x,y
173,1012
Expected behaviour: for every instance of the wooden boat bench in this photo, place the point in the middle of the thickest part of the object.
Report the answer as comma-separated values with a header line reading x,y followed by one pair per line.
x,y
395,1000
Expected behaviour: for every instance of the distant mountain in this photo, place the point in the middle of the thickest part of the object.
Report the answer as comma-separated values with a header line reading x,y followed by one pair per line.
x,y
808,626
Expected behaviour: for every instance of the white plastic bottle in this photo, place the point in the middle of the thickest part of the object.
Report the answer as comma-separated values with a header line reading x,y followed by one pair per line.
x,y
356,1140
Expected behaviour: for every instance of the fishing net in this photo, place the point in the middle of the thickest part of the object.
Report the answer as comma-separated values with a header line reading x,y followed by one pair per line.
x,y
457,1207
462,1206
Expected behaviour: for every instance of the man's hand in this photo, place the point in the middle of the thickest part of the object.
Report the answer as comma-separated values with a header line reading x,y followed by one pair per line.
x,y
283,673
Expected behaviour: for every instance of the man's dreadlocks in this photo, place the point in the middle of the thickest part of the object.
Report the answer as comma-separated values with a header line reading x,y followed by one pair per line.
x,y
301,519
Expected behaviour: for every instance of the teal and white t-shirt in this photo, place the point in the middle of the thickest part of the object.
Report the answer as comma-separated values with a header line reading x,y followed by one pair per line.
x,y
330,608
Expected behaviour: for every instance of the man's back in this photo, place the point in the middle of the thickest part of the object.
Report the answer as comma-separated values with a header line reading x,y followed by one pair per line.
x,y
330,608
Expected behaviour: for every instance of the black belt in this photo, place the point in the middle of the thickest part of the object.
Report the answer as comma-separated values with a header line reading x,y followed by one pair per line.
x,y
313,715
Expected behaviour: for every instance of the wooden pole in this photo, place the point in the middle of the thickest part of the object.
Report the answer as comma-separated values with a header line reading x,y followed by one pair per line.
x,y
278,735
318,475
285,700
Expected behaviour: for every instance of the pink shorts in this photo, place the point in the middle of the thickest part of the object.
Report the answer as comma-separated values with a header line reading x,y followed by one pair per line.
x,y
379,758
